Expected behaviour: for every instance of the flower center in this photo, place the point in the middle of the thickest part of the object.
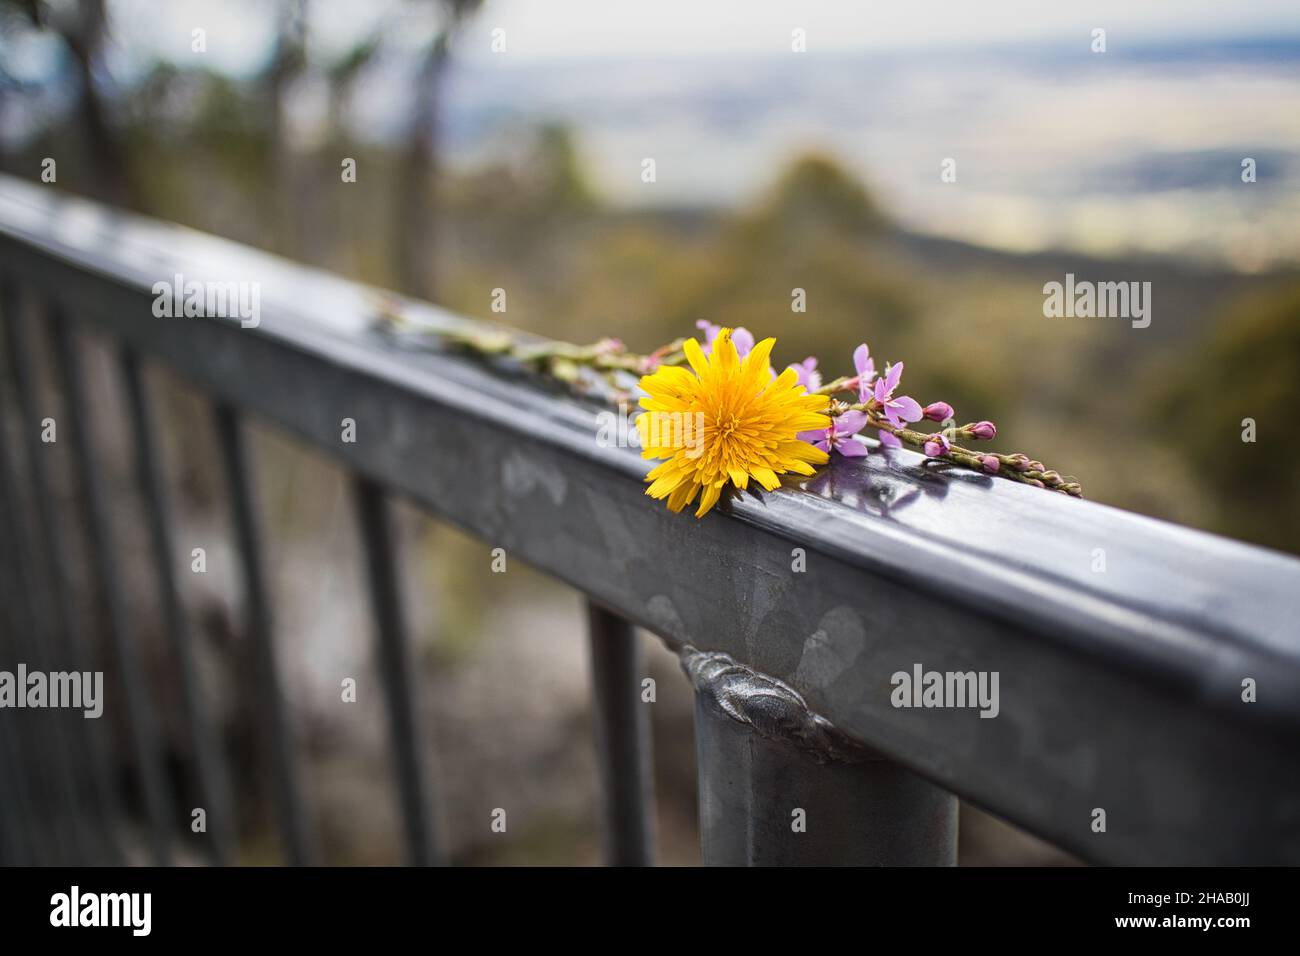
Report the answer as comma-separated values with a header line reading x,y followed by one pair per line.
x,y
728,425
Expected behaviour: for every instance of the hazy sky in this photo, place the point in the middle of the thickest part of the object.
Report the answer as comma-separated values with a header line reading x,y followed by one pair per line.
x,y
1102,154
621,27
240,31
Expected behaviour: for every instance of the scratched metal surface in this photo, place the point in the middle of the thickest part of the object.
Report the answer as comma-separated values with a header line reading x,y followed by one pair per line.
x,y
1118,690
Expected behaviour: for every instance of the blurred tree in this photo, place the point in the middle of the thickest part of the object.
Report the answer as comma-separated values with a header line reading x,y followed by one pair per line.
x,y
1247,368
336,207
417,169
561,187
816,193
818,230
343,73
82,26
287,61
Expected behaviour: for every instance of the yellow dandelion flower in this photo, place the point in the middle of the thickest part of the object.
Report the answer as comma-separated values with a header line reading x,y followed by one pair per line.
x,y
730,421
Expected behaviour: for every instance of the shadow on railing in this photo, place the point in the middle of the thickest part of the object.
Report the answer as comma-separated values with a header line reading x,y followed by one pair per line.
x,y
1147,713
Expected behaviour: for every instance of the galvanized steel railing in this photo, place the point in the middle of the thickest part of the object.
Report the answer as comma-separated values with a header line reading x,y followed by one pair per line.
x,y
1120,690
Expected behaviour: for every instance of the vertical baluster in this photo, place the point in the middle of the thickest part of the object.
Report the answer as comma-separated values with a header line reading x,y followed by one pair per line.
x,y
51,636
779,786
140,717
16,795
293,822
16,821
622,740
396,668
12,807
33,744
31,740
213,785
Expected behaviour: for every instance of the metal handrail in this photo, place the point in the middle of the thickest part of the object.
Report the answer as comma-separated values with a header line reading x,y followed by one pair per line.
x,y
1120,689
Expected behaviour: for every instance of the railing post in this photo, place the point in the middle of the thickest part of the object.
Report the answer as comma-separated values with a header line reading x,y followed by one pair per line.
x,y
45,594
213,785
622,740
257,608
397,670
146,740
37,744
21,780
16,821
780,786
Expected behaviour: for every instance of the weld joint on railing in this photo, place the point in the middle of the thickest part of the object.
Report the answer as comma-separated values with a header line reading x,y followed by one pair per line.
x,y
770,707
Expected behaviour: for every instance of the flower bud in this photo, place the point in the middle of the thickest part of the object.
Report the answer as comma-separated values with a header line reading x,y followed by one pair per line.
x,y
565,371
1018,461
938,412
937,445
1037,466
984,430
991,464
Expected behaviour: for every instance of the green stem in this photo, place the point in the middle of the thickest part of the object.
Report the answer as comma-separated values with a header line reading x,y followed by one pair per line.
x,y
561,361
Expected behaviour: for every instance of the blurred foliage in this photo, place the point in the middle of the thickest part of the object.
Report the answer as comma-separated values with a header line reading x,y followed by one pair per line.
x,y
1248,367
1148,420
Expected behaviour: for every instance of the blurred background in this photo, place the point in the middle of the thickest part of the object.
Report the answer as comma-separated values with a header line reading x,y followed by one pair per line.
x,y
502,145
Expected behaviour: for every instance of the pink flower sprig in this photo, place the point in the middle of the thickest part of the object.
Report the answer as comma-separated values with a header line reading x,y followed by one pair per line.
x,y
891,415
840,436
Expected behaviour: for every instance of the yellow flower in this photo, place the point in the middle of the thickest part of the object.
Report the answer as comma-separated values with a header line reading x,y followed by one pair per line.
x,y
730,421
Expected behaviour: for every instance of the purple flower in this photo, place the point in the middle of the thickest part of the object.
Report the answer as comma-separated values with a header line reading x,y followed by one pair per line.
x,y
984,430
809,377
937,446
897,410
938,412
742,338
840,435
991,464
866,369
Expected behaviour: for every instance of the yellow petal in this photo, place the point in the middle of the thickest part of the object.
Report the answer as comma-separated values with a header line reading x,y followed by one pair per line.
x,y
683,496
757,362
709,499
695,355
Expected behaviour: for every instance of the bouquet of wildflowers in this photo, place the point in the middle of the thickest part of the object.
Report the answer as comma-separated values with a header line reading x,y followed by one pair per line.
x,y
718,417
